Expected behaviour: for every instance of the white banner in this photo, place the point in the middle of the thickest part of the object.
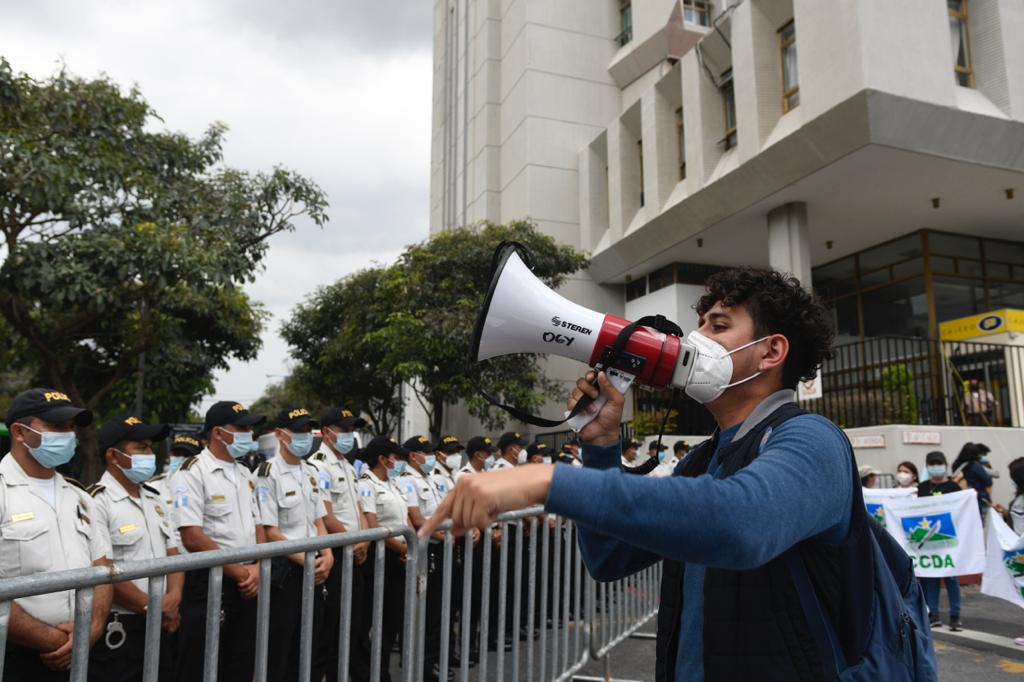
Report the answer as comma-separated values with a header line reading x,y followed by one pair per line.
x,y
1004,562
941,533
875,499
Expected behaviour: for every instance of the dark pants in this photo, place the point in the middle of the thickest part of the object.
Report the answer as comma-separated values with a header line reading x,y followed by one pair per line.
x,y
358,627
931,588
435,586
23,665
236,655
393,608
508,539
285,625
124,664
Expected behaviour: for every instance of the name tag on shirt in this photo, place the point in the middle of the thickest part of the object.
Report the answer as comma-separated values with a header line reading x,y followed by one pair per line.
x,y
217,498
127,529
23,516
289,493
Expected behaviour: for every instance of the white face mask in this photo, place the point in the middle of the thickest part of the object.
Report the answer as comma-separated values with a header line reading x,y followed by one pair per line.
x,y
904,478
712,368
521,457
453,461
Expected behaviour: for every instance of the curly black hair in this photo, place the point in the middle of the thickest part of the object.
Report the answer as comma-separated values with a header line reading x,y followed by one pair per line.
x,y
778,305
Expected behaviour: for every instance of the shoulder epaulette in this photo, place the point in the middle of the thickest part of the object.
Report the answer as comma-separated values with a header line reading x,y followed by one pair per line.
x,y
405,473
320,456
264,469
95,489
159,477
149,488
187,464
77,484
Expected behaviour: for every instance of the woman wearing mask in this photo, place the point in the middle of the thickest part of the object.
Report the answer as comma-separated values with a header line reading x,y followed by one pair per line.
x,y
906,475
970,467
939,483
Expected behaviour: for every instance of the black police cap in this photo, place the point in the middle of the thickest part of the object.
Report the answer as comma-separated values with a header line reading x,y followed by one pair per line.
x,y
49,405
339,416
680,445
227,412
381,446
187,444
417,444
129,428
449,445
295,419
538,448
478,443
511,438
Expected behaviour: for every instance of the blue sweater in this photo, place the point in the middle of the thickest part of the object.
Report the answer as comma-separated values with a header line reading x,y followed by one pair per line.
x,y
800,486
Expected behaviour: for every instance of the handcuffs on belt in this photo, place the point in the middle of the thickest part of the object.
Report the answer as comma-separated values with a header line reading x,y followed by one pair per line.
x,y
115,629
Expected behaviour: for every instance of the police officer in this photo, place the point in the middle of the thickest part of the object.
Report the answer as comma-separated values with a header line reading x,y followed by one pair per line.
x,y
629,448
385,505
511,453
572,448
135,522
48,524
422,498
291,508
338,480
215,501
182,447
668,462
448,452
538,453
479,452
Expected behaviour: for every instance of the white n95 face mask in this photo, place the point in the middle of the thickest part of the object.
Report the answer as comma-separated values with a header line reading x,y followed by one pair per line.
x,y
712,368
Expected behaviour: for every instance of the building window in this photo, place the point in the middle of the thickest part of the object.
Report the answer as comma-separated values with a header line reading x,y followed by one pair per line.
x,y
625,22
636,288
790,80
729,102
681,139
697,12
960,41
640,153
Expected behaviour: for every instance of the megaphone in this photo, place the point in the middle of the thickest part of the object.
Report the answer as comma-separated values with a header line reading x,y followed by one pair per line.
x,y
523,315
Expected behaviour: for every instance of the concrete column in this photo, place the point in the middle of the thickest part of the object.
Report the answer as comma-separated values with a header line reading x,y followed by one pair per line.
x,y
789,245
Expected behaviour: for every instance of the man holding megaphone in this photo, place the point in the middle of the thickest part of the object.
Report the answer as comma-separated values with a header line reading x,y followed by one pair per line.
x,y
773,486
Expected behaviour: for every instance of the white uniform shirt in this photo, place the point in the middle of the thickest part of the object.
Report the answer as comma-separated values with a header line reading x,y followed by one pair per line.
x,y
419,492
290,504
443,479
467,468
36,537
338,477
219,497
162,484
384,499
666,467
502,463
132,528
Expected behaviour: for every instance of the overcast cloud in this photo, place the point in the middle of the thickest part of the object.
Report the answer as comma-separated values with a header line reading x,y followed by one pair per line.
x,y
337,90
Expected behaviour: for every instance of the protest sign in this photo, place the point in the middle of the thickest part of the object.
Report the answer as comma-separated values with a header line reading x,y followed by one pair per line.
x,y
1004,562
941,533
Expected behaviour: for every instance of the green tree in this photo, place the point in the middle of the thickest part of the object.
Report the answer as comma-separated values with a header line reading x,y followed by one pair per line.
x,y
125,247
438,287
337,361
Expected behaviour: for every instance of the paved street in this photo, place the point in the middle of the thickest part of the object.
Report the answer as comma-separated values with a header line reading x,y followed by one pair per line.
x,y
1001,621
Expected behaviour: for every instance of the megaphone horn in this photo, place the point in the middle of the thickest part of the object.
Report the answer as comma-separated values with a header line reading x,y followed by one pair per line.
x,y
523,315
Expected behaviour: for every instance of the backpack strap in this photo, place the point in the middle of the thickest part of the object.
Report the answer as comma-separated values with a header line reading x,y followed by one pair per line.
x,y
817,620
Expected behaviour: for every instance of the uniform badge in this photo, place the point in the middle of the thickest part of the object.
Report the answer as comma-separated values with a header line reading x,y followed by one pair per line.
x,y
23,516
262,493
252,486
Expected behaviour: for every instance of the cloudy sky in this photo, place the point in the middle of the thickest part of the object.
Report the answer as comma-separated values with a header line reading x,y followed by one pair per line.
x,y
338,90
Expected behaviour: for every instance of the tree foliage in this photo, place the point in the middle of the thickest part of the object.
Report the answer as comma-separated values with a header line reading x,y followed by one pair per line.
x,y
361,338
125,247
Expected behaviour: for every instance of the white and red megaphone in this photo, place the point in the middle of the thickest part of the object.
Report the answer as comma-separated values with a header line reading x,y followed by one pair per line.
x,y
522,315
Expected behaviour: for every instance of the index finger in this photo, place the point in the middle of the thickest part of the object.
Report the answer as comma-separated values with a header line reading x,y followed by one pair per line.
x,y
440,515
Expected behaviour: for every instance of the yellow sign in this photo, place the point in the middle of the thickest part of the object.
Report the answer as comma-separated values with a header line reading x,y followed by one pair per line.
x,y
985,324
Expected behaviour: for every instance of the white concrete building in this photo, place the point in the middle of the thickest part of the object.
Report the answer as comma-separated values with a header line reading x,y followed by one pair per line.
x,y
671,137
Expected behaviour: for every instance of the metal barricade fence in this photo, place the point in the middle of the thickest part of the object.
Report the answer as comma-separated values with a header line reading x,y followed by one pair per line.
x,y
516,592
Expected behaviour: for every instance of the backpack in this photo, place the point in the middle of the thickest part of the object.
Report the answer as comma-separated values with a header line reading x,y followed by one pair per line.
x,y
899,644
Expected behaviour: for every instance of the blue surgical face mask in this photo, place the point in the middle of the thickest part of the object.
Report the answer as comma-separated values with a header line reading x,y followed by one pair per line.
x,y
661,456
55,448
254,447
345,442
936,470
240,446
174,463
301,444
142,469
358,466
429,462
397,470
983,459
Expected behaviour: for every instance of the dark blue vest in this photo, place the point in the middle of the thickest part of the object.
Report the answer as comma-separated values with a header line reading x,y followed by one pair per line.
x,y
754,627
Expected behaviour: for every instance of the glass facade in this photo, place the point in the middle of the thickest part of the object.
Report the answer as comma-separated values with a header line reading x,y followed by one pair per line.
x,y
907,286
